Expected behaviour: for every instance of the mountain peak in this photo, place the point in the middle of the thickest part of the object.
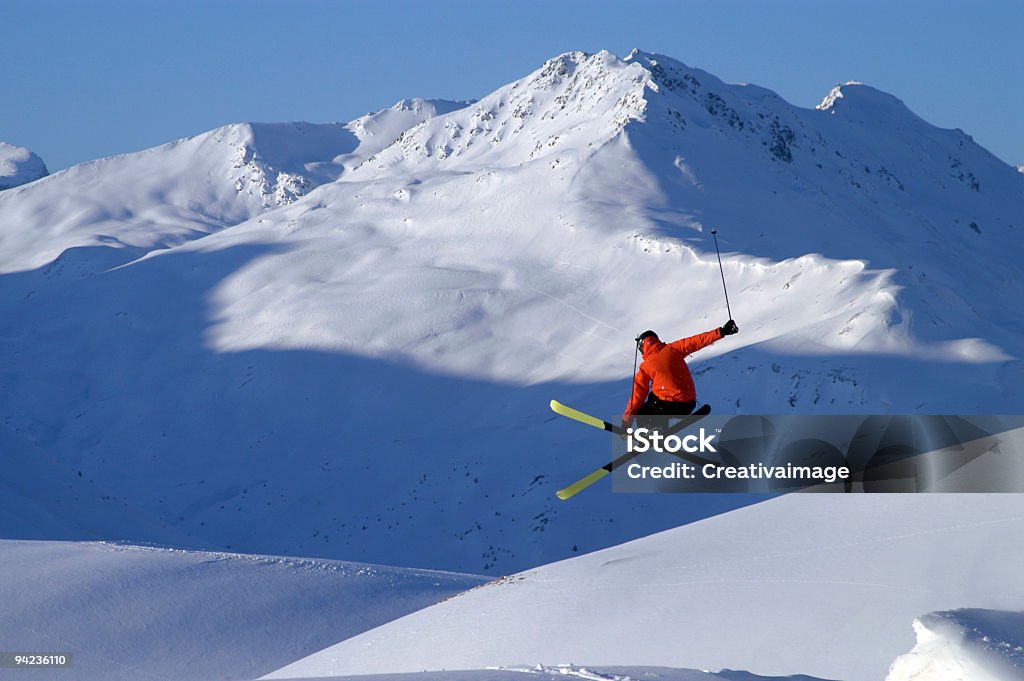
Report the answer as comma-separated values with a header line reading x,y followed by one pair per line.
x,y
574,100
646,59
571,68
19,165
855,96
560,66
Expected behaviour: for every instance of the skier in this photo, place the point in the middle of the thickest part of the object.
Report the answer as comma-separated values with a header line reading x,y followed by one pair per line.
x,y
663,379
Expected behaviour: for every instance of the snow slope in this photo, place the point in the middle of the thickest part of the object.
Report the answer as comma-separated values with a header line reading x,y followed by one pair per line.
x,y
361,369
19,166
826,585
44,497
569,671
132,612
163,196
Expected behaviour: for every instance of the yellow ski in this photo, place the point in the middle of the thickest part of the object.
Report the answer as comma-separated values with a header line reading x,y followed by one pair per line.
x,y
604,470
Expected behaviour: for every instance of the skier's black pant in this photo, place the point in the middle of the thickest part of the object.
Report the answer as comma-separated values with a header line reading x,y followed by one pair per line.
x,y
655,407
655,412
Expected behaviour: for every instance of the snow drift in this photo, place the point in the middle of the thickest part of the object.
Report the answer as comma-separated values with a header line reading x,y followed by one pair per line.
x,y
981,645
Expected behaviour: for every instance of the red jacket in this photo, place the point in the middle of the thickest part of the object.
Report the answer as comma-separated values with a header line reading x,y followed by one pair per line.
x,y
664,371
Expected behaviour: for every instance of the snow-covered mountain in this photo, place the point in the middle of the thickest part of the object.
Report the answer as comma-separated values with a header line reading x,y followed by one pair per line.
x,y
188,188
341,340
19,166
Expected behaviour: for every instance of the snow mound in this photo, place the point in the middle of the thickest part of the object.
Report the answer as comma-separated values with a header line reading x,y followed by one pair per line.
x,y
974,644
19,166
131,612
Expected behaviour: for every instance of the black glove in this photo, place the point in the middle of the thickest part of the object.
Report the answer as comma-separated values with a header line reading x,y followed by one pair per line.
x,y
730,328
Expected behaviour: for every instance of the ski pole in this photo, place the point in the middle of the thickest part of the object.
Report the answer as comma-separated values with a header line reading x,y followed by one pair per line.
x,y
714,233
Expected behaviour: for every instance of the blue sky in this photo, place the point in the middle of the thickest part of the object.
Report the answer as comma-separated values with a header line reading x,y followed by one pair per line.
x,y
82,80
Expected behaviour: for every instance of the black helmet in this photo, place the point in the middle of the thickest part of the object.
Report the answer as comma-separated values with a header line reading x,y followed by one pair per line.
x,y
642,337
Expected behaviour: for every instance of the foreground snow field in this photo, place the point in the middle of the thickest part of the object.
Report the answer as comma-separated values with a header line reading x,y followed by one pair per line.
x,y
826,585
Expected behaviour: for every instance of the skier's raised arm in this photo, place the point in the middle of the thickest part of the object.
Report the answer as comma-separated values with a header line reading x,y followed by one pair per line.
x,y
690,345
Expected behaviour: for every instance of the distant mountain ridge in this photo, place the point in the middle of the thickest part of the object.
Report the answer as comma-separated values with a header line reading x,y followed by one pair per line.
x,y
190,187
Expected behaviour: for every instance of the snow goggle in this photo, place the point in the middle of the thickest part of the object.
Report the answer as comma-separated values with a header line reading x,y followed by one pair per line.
x,y
643,337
